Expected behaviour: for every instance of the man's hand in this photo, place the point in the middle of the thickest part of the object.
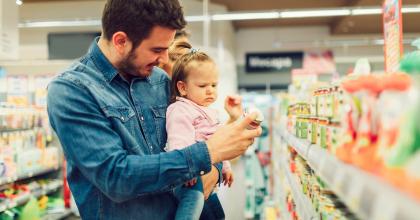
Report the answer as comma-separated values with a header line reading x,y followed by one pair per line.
x,y
210,181
228,178
233,106
232,140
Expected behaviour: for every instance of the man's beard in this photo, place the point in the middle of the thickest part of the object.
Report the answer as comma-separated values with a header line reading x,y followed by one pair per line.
x,y
127,67
129,70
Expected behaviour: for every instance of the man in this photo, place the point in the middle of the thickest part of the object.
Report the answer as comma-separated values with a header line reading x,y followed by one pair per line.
x,y
108,110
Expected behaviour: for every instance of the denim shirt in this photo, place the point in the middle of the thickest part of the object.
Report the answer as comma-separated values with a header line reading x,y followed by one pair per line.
x,y
113,135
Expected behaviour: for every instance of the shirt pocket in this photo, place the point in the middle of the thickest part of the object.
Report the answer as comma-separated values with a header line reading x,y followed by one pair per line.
x,y
125,124
123,114
159,115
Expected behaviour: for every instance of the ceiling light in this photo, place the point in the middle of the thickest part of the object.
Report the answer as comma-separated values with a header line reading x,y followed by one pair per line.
x,y
415,9
315,13
379,42
304,13
194,18
46,24
245,16
366,11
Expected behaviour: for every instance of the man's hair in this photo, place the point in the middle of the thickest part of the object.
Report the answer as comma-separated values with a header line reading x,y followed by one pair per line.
x,y
136,18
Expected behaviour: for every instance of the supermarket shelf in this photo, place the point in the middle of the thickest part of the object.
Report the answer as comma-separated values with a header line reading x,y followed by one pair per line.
x,y
279,178
58,216
303,204
21,200
366,195
8,130
7,180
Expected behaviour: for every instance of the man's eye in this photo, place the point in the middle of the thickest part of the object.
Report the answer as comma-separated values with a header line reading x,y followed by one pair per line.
x,y
202,86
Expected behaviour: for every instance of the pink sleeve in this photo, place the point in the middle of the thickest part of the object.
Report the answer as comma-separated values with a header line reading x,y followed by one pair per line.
x,y
226,166
179,126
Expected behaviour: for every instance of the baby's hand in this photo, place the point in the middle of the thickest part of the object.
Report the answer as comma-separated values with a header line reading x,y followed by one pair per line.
x,y
191,183
228,178
233,106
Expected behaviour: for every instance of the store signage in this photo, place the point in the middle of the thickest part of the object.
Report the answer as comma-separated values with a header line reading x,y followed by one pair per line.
x,y
273,62
9,35
392,19
17,90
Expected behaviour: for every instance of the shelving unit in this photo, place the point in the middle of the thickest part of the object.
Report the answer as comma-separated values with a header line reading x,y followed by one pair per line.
x,y
58,216
279,178
21,200
303,205
284,175
7,180
31,160
366,195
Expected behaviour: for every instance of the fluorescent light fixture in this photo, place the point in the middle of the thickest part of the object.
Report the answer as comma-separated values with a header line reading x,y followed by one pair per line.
x,y
195,18
414,9
366,11
45,24
315,13
245,16
304,13
379,42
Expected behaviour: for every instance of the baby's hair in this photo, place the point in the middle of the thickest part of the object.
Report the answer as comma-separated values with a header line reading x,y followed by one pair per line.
x,y
180,69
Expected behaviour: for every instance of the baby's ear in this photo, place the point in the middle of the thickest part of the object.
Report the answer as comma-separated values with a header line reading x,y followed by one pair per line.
x,y
182,88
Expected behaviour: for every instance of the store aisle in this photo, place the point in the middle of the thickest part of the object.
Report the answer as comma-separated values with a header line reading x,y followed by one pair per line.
x,y
233,199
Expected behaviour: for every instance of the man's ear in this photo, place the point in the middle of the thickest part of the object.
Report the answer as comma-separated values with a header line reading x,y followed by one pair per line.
x,y
121,42
182,88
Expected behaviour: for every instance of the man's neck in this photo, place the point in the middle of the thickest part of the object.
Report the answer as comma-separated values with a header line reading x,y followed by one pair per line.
x,y
104,46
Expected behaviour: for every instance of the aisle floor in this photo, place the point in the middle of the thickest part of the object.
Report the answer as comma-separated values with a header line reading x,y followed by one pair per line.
x,y
233,199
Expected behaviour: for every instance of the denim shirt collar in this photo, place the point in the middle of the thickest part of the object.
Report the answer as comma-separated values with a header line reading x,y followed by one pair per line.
x,y
101,62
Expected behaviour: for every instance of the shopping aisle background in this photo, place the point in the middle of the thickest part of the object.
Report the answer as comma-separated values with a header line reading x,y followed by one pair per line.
x,y
233,199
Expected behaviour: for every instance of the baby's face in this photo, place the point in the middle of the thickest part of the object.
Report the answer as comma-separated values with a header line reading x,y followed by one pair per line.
x,y
201,85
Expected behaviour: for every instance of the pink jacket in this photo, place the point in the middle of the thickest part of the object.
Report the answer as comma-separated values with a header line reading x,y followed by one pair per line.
x,y
188,123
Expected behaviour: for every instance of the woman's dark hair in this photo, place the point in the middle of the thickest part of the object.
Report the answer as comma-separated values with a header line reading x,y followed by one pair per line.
x,y
177,50
181,69
136,18
182,33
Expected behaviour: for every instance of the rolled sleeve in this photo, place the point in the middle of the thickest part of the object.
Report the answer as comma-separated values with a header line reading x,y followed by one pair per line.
x,y
198,158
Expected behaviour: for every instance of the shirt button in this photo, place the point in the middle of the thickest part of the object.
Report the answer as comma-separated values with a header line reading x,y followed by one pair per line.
x,y
201,172
142,118
122,118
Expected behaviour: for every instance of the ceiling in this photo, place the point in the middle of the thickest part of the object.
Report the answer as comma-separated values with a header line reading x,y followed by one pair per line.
x,y
338,25
365,24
